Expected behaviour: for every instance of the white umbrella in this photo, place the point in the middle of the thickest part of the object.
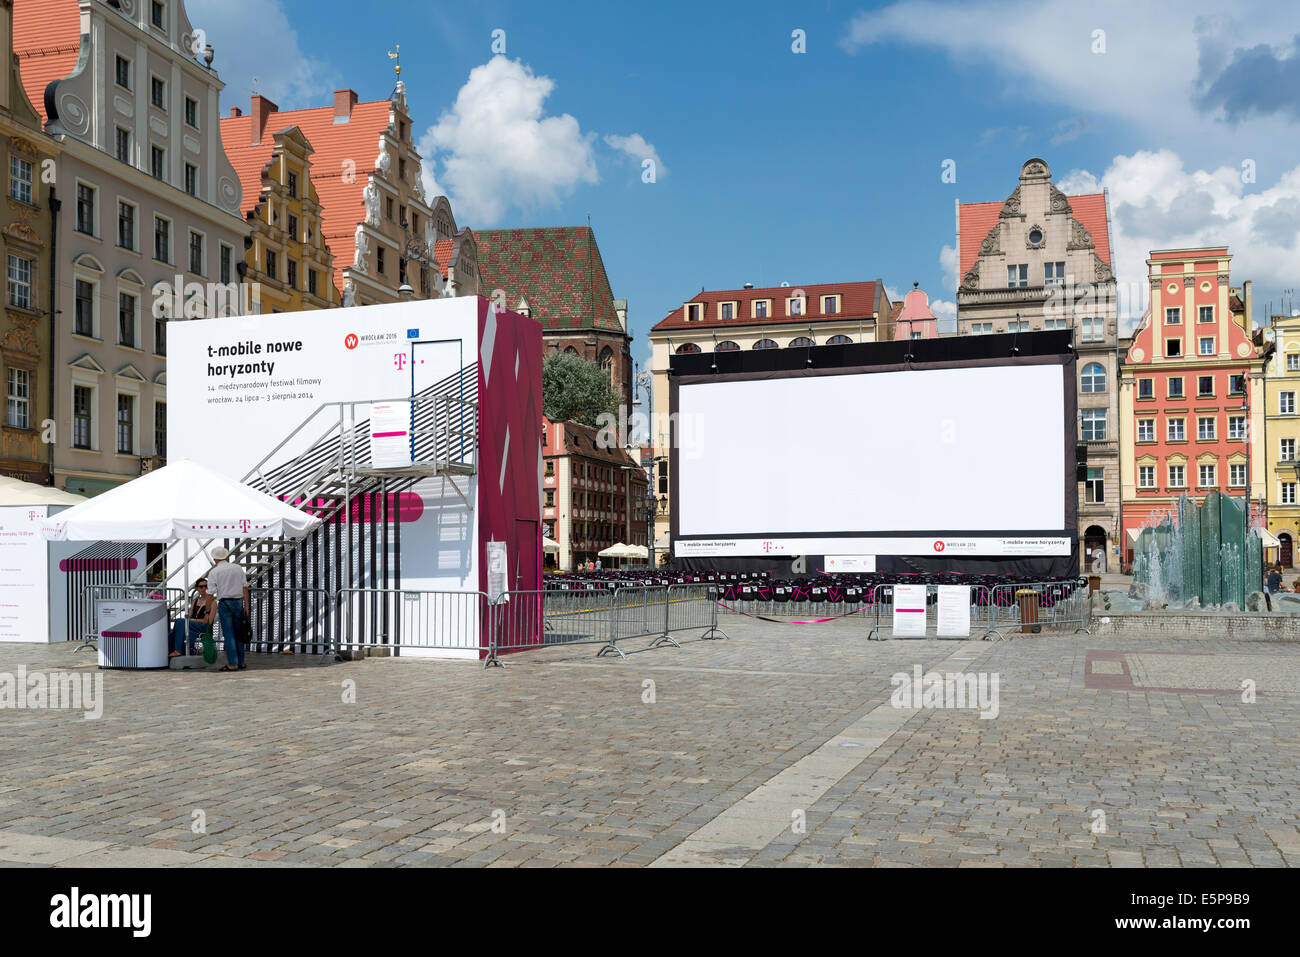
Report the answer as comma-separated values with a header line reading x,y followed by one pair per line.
x,y
17,492
614,551
549,547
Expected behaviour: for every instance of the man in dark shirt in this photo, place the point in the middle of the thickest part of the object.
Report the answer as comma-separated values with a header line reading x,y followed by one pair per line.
x,y
1275,580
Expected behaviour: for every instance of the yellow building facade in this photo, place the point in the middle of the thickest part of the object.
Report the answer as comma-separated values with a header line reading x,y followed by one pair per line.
x,y
1282,436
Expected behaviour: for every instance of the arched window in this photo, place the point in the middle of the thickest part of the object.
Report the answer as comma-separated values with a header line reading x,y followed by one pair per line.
x,y
687,348
607,363
570,351
801,343
727,346
838,341
767,344
1093,378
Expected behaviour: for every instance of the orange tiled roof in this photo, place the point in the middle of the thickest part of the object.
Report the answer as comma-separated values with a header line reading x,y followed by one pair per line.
x,y
976,219
857,301
249,161
442,250
47,40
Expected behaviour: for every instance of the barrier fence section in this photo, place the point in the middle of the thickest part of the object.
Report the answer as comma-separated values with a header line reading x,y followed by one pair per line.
x,y
93,594
998,610
787,599
288,619
413,620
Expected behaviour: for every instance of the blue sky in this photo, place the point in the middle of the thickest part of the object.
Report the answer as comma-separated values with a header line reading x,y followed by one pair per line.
x,y
775,166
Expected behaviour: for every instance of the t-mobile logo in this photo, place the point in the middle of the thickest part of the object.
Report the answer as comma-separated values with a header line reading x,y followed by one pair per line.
x,y
245,525
399,360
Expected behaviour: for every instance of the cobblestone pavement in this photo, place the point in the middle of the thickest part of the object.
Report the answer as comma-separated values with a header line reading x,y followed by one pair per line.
x,y
776,747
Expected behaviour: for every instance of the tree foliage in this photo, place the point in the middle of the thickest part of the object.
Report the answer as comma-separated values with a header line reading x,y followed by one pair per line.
x,y
575,390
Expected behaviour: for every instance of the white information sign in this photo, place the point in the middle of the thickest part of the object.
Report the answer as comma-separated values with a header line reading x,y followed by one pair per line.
x,y
24,602
390,434
132,633
909,611
954,611
498,578
850,563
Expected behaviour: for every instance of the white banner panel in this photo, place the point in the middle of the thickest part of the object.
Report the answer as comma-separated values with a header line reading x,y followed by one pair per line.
x,y
850,563
953,620
750,547
967,449
390,434
909,611
24,571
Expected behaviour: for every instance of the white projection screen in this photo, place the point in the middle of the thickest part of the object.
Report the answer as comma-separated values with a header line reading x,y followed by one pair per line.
x,y
976,449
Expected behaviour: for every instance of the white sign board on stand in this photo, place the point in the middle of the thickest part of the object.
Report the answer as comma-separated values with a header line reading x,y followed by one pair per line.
x,y
498,577
953,619
909,611
390,434
132,633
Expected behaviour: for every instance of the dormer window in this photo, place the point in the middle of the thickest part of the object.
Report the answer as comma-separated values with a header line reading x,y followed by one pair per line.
x,y
726,310
694,311
796,306
830,305
760,309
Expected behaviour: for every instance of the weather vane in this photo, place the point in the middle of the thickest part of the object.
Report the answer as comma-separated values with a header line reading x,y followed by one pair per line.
x,y
396,54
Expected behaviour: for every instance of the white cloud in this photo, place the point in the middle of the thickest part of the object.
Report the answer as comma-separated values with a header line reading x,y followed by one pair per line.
x,y
1156,203
636,147
950,262
498,150
943,310
284,73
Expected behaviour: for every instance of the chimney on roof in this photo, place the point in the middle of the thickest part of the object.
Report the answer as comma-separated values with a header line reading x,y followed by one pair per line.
x,y
749,285
344,101
236,111
260,111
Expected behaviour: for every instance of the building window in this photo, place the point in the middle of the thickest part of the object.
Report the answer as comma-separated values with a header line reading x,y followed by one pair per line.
x,y
727,346
693,312
272,263
20,179
1293,362
1205,385
160,429
1146,430
123,73
126,424
1177,475
293,186
1205,427
293,227
1094,330
162,239
1146,476
85,209
1094,425
225,264
125,225
1017,276
1175,387
802,342
126,319
796,307
767,344
845,340
83,309
1018,325
1286,450
550,493
160,335
1207,345
1177,431
830,305
19,283
1094,378
388,207
191,179
82,403
1237,475
726,311
158,163
1173,316
981,328
20,397
1054,324
1206,476
1236,385
379,259
191,112
1095,488
157,14
158,92
1146,388
1288,493
1205,314
196,253
684,349
760,309
1286,403
291,273
1053,274
122,139
1173,348
311,281
1236,426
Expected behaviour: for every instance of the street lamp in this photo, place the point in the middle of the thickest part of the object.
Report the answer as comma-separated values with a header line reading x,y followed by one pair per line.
x,y
413,249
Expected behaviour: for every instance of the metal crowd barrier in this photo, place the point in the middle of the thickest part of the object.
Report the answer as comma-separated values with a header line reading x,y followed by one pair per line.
x,y
92,594
290,620
413,620
1000,610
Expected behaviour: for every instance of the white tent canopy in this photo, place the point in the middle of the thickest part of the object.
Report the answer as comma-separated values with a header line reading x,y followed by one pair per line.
x,y
635,551
17,492
183,500
549,547
614,551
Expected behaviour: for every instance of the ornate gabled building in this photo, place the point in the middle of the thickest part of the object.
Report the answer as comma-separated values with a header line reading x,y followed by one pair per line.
x,y
376,220
286,256
557,276
149,203
1041,259
26,225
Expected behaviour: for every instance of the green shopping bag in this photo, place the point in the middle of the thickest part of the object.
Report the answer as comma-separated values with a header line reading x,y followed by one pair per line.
x,y
209,646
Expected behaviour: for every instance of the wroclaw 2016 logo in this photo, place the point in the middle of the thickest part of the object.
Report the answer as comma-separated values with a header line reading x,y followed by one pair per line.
x,y
351,341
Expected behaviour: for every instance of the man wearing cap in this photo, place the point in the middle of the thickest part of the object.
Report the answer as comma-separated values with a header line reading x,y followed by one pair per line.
x,y
229,586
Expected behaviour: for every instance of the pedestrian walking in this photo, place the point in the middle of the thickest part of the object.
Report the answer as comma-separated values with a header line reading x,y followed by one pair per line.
x,y
229,586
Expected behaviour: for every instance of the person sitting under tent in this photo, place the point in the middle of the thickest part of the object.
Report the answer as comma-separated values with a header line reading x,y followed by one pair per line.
x,y
202,613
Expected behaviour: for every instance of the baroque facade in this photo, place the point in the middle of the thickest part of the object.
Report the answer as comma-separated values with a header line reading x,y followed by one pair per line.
x,y
1042,260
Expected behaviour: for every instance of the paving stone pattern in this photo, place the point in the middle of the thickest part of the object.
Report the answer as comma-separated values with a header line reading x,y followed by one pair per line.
x,y
558,760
